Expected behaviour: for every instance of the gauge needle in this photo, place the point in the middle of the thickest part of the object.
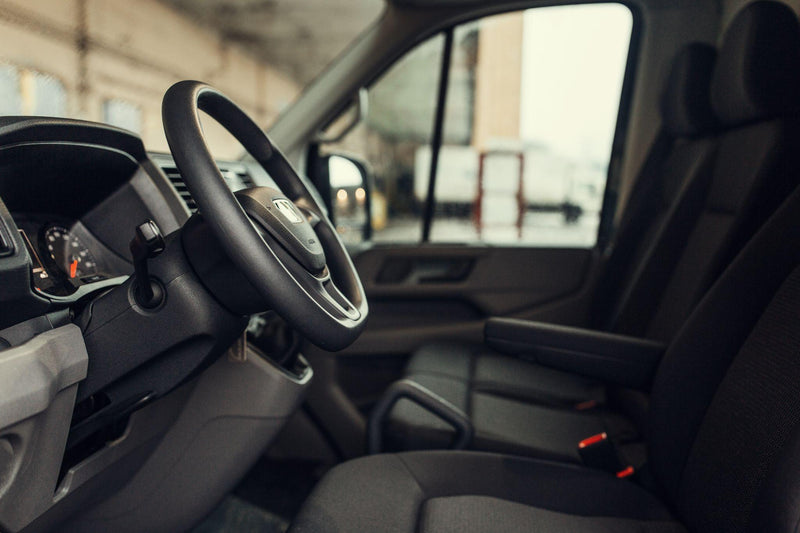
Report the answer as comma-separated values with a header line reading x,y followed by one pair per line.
x,y
73,268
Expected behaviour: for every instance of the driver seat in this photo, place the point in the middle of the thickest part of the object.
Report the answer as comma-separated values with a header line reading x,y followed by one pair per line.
x,y
724,435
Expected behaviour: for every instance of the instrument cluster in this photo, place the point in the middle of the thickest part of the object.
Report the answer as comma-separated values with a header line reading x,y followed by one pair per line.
x,y
65,256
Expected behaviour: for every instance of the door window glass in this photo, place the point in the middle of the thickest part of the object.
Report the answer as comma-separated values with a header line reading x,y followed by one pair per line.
x,y
402,105
531,111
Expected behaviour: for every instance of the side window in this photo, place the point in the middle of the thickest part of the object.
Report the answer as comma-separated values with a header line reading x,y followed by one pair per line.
x,y
402,105
530,111
530,115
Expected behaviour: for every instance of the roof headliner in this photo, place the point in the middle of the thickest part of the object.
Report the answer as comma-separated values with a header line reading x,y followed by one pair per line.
x,y
299,37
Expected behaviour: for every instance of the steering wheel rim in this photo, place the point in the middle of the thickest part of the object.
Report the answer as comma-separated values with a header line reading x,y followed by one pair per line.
x,y
331,315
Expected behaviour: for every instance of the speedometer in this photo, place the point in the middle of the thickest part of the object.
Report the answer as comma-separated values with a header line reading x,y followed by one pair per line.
x,y
68,253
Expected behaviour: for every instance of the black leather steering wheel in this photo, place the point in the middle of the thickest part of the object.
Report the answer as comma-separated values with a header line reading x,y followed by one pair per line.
x,y
280,240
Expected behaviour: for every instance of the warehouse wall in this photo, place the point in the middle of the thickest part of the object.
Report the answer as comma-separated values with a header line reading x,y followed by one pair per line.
x,y
103,50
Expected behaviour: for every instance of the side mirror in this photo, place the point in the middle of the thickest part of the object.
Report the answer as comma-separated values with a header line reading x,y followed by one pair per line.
x,y
350,185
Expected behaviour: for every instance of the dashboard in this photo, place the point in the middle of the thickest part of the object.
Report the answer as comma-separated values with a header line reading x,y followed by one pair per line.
x,y
74,192
94,381
71,196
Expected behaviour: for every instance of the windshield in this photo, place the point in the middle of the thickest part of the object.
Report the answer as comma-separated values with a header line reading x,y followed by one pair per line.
x,y
112,60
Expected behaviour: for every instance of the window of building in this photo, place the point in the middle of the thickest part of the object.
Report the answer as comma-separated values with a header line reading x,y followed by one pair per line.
x,y
123,114
25,91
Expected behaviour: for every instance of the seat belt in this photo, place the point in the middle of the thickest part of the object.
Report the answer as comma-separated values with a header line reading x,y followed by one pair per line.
x,y
631,229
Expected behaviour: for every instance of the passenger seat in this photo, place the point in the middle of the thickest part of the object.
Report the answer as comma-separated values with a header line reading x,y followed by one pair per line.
x,y
727,188
724,436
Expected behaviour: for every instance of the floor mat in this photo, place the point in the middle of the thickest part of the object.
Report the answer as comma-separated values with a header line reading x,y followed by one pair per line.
x,y
235,515
280,487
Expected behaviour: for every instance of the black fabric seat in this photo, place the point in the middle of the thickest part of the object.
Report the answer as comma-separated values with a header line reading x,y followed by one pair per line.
x,y
481,492
728,187
682,155
724,435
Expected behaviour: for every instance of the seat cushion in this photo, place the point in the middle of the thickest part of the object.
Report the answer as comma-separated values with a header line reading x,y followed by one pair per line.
x,y
501,424
487,371
476,492
510,426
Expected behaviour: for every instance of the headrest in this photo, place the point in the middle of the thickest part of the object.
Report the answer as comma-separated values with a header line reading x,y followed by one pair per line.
x,y
686,100
758,68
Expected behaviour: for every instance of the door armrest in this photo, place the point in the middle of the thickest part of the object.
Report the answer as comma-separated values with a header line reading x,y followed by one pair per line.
x,y
616,359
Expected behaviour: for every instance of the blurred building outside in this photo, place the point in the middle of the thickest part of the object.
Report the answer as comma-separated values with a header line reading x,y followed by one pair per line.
x,y
486,170
112,60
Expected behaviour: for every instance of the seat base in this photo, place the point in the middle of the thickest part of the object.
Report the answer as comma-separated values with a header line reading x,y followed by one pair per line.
x,y
516,406
490,372
472,492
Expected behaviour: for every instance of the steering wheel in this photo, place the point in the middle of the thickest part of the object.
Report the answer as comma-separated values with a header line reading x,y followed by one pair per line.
x,y
279,239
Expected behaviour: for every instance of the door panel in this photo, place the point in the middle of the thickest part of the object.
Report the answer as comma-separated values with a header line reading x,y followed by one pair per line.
x,y
420,294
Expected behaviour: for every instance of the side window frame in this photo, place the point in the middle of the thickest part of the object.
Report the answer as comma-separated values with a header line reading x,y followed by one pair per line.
x,y
438,131
606,229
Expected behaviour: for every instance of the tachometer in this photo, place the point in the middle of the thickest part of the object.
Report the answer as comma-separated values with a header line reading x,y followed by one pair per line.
x,y
68,253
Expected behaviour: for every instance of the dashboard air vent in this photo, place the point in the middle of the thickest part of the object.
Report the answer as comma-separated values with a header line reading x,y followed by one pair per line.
x,y
236,175
245,178
177,181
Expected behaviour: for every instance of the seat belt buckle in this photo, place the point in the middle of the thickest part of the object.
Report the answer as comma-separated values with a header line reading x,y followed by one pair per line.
x,y
598,451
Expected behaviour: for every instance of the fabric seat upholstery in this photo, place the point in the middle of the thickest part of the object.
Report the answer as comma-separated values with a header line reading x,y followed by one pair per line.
x,y
752,168
500,424
484,492
724,435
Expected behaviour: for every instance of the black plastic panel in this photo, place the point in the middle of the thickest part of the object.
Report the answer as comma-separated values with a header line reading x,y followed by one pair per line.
x,y
94,176
619,359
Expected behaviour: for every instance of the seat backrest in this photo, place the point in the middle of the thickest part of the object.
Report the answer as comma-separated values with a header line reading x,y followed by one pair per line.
x,y
754,94
724,424
725,408
681,153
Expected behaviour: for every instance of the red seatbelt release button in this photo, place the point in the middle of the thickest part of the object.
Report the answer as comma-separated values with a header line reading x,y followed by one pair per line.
x,y
593,440
598,451
628,471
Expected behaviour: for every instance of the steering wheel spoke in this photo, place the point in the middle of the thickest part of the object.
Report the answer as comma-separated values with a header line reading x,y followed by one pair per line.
x,y
339,300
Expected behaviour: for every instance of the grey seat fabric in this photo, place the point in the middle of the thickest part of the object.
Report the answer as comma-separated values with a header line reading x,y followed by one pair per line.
x,y
724,435
726,192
